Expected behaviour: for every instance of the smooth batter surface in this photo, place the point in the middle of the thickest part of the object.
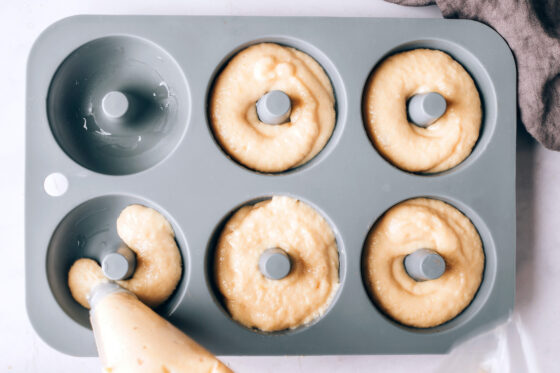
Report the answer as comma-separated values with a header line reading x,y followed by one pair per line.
x,y
271,305
412,225
246,78
131,338
445,143
158,260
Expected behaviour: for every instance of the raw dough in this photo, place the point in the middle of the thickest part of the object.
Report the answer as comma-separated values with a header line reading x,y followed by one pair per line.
x,y
84,275
412,225
445,143
158,261
299,230
246,78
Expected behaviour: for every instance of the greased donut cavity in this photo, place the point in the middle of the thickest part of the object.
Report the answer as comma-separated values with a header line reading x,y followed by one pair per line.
x,y
446,142
423,223
249,75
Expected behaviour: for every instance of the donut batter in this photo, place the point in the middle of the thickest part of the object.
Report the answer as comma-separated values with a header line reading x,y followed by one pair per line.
x,y
158,260
305,293
445,143
247,77
412,225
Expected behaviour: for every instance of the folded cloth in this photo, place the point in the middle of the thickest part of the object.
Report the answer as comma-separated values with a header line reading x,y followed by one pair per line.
x,y
532,30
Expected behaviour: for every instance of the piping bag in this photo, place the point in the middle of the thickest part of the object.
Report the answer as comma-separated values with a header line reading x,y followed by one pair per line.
x,y
131,337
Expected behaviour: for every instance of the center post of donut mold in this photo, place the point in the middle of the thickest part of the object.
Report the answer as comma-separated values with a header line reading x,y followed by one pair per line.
x,y
115,104
274,107
426,108
275,263
424,265
119,265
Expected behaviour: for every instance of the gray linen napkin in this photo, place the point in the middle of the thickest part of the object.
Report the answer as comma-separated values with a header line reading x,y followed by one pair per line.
x,y
532,30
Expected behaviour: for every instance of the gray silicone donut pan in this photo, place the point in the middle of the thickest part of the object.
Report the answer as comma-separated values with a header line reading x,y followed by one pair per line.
x,y
184,173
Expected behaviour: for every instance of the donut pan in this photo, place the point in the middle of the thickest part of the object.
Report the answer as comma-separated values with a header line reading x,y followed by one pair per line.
x,y
80,173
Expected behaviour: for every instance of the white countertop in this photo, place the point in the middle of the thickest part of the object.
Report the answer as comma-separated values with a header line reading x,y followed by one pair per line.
x,y
21,350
